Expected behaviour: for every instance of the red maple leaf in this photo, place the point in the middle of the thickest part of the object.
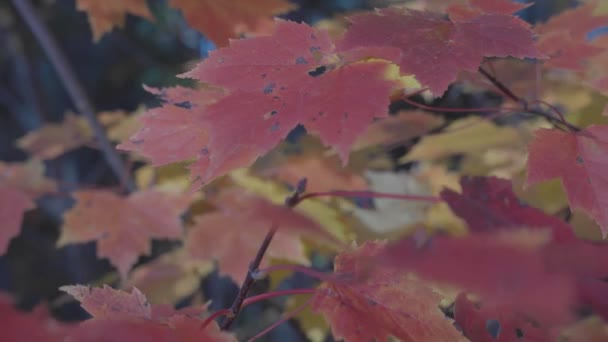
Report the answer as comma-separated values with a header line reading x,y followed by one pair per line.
x,y
580,160
233,234
175,131
483,323
488,203
517,274
449,46
563,37
273,84
222,20
122,316
371,304
38,325
123,226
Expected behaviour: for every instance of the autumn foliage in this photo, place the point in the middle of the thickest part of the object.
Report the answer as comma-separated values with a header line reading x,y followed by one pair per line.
x,y
487,225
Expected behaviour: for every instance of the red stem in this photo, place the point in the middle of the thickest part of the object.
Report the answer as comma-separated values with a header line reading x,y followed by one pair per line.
x,y
249,280
213,316
369,194
274,294
300,269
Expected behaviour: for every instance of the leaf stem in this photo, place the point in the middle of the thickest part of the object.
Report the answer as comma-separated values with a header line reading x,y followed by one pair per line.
x,y
249,279
213,316
274,294
370,194
74,89
300,269
254,266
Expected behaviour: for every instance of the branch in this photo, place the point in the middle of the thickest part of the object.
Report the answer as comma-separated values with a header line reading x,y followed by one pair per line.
x,y
507,92
74,89
254,266
249,280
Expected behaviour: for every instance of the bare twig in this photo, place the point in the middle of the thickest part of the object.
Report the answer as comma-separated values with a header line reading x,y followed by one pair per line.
x,y
74,88
526,107
254,266
249,279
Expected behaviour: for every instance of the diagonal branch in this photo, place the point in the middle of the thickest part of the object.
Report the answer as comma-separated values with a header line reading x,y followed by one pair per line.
x,y
525,105
74,89
254,266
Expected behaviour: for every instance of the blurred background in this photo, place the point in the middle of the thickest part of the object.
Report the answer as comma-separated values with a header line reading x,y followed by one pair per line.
x,y
112,72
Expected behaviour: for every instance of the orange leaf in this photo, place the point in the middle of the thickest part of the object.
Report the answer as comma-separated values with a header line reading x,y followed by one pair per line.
x,y
221,20
107,14
123,226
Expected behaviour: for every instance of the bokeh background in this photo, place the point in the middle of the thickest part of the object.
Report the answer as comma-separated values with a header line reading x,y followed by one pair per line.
x,y
112,72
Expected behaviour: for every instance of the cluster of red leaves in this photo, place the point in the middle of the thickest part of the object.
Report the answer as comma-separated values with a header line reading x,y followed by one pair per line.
x,y
528,267
519,273
116,316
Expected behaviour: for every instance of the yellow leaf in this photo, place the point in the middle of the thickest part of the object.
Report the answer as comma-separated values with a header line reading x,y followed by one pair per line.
x,y
471,135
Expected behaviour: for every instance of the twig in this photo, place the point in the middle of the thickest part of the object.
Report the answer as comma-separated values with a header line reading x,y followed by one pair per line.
x,y
505,90
249,280
74,88
254,266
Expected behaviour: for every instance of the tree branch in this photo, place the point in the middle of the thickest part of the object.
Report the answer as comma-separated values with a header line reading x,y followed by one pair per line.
x,y
74,89
526,107
254,266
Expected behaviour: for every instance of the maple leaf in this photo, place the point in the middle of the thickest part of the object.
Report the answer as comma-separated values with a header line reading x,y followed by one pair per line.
x,y
563,37
123,226
450,46
488,203
322,174
173,132
20,184
275,83
484,323
377,303
517,275
107,14
222,20
53,140
38,325
118,315
170,277
579,160
466,136
233,235
398,129
476,7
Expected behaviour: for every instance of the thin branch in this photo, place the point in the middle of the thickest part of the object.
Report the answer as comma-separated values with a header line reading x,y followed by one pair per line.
x,y
254,266
249,280
526,106
274,294
299,269
74,88
369,194
503,88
